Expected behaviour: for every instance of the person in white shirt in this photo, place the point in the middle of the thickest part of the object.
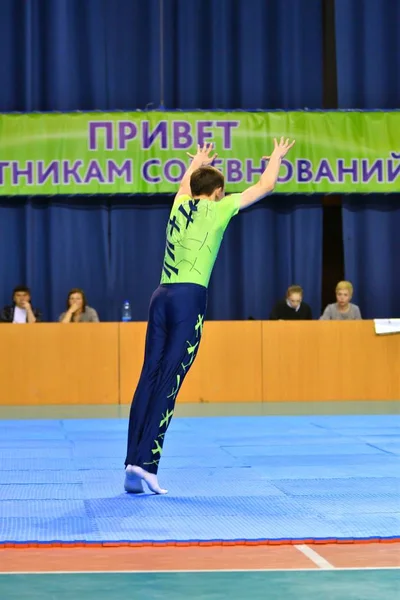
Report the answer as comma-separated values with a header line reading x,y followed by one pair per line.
x,y
20,311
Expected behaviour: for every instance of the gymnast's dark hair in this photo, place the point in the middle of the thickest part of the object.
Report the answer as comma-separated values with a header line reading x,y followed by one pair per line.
x,y
205,180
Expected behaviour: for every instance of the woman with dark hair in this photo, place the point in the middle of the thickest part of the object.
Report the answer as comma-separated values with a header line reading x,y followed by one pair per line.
x,y
77,309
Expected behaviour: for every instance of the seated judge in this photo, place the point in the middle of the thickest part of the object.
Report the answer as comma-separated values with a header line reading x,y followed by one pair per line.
x,y
292,307
342,309
20,311
78,310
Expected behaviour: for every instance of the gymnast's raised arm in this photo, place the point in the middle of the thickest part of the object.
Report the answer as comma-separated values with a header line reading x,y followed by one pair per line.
x,y
270,176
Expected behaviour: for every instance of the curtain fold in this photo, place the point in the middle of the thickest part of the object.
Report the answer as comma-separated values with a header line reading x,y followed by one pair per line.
x,y
371,226
66,55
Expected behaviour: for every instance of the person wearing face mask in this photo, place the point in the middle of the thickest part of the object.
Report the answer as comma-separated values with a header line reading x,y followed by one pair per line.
x,y
20,311
342,309
77,309
292,307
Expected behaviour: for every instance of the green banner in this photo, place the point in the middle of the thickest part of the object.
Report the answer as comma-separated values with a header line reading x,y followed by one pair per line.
x,y
146,152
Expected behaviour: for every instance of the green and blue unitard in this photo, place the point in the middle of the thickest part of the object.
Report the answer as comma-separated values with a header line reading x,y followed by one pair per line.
x,y
176,316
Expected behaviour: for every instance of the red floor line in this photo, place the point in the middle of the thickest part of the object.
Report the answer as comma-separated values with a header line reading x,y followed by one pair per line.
x,y
217,543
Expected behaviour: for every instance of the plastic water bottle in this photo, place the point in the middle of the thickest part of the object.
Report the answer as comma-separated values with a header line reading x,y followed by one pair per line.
x,y
126,312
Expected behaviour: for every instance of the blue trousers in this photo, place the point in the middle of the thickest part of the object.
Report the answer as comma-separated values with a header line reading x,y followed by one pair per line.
x,y
174,329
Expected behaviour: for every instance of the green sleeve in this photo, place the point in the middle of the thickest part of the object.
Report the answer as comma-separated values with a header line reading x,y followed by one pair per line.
x,y
180,200
228,207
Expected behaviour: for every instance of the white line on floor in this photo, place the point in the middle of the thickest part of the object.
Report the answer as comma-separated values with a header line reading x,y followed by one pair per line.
x,y
174,571
316,558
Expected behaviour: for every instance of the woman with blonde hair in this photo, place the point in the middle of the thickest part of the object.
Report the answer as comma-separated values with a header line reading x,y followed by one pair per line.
x,y
342,309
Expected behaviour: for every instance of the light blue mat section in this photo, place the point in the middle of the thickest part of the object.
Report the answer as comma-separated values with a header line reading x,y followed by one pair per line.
x,y
229,478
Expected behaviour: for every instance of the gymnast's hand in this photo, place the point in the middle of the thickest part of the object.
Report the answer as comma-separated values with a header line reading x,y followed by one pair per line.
x,y
202,157
280,150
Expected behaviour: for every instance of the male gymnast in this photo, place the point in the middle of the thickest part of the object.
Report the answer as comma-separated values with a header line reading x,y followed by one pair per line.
x,y
199,217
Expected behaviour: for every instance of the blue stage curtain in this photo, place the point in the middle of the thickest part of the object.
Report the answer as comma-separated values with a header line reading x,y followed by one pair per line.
x,y
65,55
268,247
52,247
243,54
69,55
115,252
368,53
265,249
368,67
371,226
109,54
137,251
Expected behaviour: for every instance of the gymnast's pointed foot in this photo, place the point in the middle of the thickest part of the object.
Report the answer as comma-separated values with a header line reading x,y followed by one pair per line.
x,y
133,484
150,479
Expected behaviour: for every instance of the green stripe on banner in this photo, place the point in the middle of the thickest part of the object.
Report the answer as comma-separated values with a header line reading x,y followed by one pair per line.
x,y
145,152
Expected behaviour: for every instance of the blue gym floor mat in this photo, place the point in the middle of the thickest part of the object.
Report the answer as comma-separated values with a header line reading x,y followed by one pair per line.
x,y
229,479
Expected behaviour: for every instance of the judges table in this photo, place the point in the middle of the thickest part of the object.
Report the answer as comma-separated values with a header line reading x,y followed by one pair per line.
x,y
238,361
